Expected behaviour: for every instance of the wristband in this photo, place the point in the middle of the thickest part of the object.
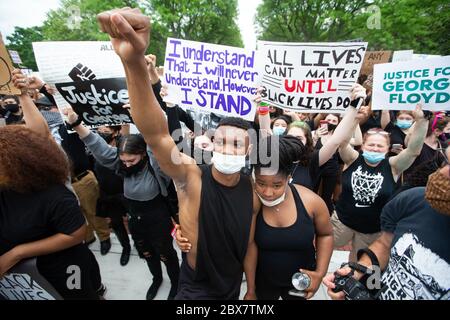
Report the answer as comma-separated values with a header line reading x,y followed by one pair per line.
x,y
71,126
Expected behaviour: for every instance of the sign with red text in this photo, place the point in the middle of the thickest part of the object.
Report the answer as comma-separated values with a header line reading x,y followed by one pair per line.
x,y
309,77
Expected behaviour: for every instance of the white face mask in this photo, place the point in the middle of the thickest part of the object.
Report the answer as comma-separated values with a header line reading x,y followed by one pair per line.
x,y
228,163
272,203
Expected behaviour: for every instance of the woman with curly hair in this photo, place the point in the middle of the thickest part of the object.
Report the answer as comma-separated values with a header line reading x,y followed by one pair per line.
x,y
39,216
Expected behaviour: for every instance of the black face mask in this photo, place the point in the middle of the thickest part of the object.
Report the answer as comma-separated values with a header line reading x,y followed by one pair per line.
x,y
134,169
445,136
108,137
11,107
331,127
202,156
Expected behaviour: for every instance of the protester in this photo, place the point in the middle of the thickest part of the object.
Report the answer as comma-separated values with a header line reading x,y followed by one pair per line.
x,y
39,216
369,180
412,250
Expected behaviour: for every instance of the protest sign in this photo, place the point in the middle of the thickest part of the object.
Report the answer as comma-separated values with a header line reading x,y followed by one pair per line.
x,y
211,77
6,67
24,282
98,102
402,55
15,57
90,71
309,77
374,57
402,85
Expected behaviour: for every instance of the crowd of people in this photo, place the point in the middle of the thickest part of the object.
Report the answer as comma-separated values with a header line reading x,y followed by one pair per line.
x,y
374,182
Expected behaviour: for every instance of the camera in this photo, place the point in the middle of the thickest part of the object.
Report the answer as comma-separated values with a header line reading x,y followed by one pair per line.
x,y
353,289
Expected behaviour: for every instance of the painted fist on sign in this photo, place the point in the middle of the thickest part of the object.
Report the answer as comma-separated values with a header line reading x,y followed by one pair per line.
x,y
129,31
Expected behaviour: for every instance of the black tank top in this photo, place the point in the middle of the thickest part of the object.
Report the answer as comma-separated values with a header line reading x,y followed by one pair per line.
x,y
225,218
282,251
365,191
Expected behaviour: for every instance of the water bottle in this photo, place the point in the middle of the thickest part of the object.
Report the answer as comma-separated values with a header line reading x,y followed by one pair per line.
x,y
301,281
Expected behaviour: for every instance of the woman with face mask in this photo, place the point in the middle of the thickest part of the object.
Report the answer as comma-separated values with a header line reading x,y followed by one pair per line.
x,y
291,218
111,202
369,179
280,124
433,147
398,130
144,186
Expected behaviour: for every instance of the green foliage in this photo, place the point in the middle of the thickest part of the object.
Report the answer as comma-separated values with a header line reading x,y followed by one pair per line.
x,y
404,24
199,20
21,39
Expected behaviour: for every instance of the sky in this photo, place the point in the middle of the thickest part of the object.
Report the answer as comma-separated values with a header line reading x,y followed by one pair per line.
x,y
28,13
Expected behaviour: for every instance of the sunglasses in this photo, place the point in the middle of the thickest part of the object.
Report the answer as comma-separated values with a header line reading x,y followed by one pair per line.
x,y
384,133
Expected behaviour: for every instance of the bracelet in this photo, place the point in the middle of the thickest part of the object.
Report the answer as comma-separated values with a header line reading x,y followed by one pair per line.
x,y
373,257
263,110
71,126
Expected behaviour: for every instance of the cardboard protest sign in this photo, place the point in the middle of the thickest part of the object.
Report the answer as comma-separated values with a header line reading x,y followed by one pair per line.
x,y
98,102
89,76
24,282
372,58
402,85
210,77
6,67
309,77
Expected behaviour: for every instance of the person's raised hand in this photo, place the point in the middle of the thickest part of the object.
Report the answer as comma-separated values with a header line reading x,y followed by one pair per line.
x,y
129,31
20,81
35,83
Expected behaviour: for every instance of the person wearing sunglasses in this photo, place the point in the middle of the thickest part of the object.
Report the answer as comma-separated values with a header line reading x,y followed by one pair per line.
x,y
368,181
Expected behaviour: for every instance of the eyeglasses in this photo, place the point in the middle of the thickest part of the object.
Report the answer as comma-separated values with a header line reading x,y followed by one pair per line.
x,y
384,133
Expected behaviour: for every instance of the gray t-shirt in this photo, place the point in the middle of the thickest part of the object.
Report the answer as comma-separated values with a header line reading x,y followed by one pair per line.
x,y
142,186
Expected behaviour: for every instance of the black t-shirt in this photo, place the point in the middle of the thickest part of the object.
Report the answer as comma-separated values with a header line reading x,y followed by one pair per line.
x,y
35,216
419,264
75,150
307,176
427,154
109,182
365,190
374,121
331,167
397,135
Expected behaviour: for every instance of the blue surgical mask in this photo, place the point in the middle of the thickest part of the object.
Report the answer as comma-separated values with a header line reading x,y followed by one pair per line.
x,y
373,157
404,124
278,131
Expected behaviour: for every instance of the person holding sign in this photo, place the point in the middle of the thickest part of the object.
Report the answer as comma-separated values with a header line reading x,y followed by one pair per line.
x,y
144,186
39,215
369,179
217,204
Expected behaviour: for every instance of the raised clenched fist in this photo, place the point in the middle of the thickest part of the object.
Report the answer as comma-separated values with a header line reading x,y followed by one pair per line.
x,y
129,31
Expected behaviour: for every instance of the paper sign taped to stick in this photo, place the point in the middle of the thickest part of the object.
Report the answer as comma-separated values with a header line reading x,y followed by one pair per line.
x,y
211,78
402,85
6,68
15,56
89,76
372,58
309,77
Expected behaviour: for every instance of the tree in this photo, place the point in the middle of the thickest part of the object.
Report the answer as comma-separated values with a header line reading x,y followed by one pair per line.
x,y
212,21
404,24
307,21
76,19
21,41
